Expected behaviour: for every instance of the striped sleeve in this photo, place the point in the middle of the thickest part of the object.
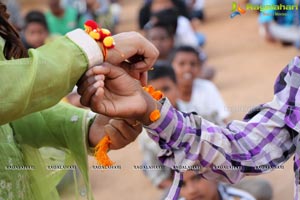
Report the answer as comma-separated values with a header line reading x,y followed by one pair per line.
x,y
243,147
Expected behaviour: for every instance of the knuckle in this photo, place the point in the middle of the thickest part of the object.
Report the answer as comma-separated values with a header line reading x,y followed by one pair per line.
x,y
91,80
91,89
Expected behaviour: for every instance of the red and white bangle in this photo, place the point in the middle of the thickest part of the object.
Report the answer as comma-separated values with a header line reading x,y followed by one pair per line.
x,y
89,46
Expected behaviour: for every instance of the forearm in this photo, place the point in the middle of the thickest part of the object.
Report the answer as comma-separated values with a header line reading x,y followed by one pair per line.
x,y
96,129
40,81
187,139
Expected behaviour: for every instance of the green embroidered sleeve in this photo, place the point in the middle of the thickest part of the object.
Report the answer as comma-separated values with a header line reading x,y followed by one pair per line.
x,y
40,81
62,126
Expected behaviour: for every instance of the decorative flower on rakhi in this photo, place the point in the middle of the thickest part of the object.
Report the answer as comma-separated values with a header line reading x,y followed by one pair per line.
x,y
99,34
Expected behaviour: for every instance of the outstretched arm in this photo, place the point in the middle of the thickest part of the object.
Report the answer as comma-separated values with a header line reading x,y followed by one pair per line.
x,y
265,138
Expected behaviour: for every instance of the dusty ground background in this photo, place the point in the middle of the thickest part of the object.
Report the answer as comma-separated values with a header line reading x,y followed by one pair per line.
x,y
246,69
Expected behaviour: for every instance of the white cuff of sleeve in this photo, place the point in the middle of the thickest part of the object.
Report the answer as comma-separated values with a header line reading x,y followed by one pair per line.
x,y
88,45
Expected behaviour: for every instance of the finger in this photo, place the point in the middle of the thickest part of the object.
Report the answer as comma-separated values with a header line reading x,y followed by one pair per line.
x,y
144,78
127,66
138,74
117,140
88,82
128,131
150,54
85,76
96,102
89,92
143,66
99,94
130,69
109,70
133,46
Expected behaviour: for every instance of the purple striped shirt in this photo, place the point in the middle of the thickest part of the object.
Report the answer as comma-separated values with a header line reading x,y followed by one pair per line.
x,y
264,140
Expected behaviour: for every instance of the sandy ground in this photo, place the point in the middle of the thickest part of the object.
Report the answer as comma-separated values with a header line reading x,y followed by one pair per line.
x,y
246,69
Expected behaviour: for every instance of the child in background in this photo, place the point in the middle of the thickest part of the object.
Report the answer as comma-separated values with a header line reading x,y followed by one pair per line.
x,y
79,5
185,34
196,95
35,31
280,25
167,39
163,78
153,6
100,11
61,20
194,186
162,36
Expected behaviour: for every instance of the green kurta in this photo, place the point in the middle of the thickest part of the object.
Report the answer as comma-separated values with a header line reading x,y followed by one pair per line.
x,y
29,85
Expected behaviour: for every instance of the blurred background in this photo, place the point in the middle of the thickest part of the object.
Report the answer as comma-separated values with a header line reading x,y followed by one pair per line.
x,y
240,59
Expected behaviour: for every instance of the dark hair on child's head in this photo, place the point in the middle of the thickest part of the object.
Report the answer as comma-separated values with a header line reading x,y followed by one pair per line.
x,y
166,19
13,47
162,71
36,17
186,49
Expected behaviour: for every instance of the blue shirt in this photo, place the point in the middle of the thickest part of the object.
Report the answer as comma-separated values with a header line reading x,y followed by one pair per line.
x,y
287,19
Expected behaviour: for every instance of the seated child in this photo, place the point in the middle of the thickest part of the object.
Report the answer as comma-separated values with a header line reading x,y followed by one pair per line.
x,y
162,36
195,94
280,25
161,31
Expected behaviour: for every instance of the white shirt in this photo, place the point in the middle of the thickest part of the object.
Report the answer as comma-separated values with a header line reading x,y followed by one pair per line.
x,y
185,34
206,101
198,5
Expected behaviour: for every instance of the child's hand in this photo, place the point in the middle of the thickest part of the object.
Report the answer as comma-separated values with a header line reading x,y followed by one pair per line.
x,y
120,132
111,91
135,51
133,46
91,80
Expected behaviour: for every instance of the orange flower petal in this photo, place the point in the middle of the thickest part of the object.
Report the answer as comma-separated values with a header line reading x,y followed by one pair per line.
x,y
101,152
155,115
157,95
